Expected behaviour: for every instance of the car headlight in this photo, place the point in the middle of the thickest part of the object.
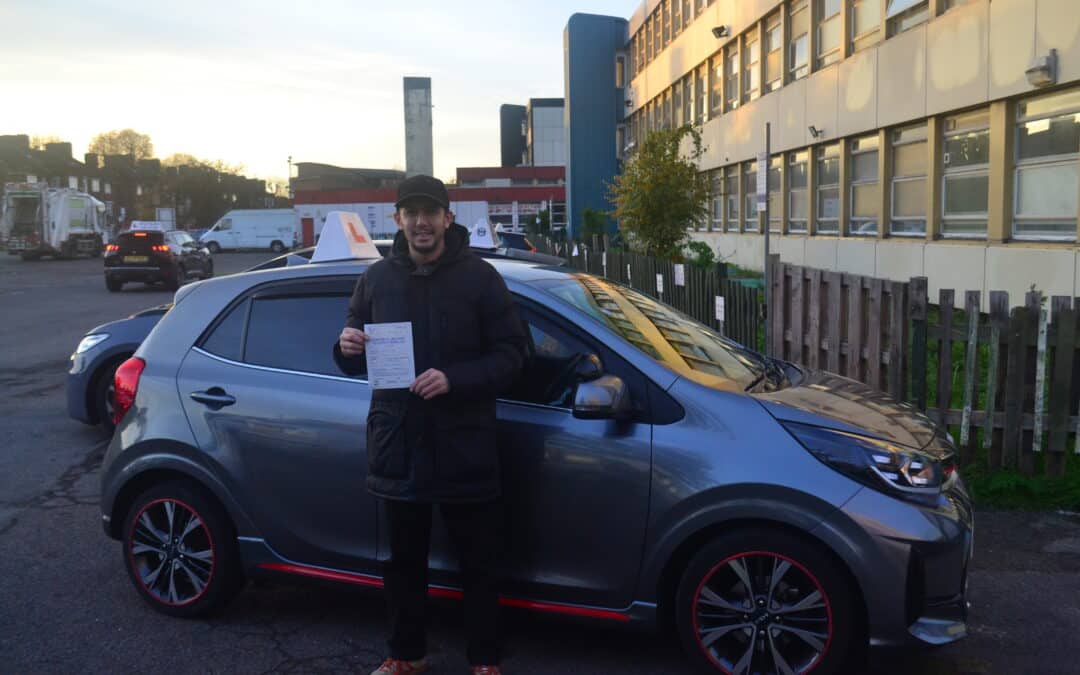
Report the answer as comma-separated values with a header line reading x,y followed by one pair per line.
x,y
874,462
91,341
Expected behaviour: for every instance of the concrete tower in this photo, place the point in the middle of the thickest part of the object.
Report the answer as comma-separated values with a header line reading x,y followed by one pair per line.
x,y
418,154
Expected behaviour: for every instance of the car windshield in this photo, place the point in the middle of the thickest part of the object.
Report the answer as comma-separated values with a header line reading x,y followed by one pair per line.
x,y
692,349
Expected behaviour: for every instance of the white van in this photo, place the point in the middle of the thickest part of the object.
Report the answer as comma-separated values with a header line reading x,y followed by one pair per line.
x,y
274,229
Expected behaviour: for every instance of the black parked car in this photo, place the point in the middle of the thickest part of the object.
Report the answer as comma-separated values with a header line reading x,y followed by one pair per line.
x,y
152,256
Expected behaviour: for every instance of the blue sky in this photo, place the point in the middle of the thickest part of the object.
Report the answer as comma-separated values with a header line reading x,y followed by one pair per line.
x,y
254,82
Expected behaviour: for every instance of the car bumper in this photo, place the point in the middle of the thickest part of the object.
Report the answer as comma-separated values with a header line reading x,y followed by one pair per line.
x,y
911,563
148,273
77,385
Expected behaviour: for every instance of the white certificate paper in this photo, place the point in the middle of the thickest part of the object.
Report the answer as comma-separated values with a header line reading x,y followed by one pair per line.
x,y
389,352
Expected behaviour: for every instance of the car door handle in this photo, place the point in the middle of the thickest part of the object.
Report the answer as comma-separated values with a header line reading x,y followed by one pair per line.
x,y
214,397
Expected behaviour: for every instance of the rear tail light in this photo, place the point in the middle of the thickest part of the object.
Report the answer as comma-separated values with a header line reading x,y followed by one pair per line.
x,y
112,248
125,385
160,248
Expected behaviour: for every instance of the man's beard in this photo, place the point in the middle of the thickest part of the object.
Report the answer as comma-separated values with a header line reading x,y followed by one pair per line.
x,y
426,248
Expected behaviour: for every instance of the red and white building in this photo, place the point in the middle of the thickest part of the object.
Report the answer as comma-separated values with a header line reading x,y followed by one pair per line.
x,y
510,196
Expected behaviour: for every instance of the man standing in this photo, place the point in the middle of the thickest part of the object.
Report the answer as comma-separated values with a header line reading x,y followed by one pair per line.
x,y
434,443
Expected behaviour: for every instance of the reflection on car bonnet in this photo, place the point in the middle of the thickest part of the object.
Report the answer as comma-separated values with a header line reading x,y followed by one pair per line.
x,y
344,237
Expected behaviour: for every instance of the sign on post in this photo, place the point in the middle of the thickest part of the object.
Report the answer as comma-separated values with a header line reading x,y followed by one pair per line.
x,y
680,275
720,308
660,284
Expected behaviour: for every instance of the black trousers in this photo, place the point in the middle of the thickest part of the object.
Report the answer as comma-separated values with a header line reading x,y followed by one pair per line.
x,y
476,530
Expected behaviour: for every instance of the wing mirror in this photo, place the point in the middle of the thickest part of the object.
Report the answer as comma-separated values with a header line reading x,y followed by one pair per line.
x,y
606,397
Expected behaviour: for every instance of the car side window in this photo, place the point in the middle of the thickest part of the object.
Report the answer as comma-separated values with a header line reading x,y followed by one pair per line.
x,y
226,339
548,374
293,332
225,224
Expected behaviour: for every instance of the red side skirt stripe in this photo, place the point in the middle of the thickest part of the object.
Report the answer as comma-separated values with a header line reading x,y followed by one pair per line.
x,y
449,593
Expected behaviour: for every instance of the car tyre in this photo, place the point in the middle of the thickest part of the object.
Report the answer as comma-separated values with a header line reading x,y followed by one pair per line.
x,y
798,607
214,247
180,551
277,246
113,285
177,278
103,395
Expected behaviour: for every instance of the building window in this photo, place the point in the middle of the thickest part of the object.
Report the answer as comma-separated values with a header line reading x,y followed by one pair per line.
x,y
946,5
687,12
95,185
903,15
716,85
865,23
700,77
798,191
731,198
666,124
665,12
73,182
1047,160
676,18
799,48
677,104
658,45
827,179
774,50
687,100
620,71
647,43
716,207
776,193
731,76
108,188
908,215
620,143
751,65
750,223
864,186
965,183
632,48
829,32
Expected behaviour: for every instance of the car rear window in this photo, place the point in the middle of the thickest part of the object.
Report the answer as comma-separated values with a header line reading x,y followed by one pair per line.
x,y
226,338
296,332
147,236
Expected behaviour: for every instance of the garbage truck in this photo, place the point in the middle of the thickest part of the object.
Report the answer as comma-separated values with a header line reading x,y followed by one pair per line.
x,y
38,221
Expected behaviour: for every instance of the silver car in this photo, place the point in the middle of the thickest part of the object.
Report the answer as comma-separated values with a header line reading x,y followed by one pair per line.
x,y
654,472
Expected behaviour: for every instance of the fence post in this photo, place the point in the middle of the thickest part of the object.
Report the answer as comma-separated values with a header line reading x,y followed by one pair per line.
x,y
917,302
971,308
946,300
1064,327
993,435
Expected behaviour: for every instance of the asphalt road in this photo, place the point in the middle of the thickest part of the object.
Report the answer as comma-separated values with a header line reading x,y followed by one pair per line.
x,y
67,606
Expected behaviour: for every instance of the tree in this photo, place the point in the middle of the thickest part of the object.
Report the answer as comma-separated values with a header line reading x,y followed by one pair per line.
x,y
39,142
593,223
184,159
661,193
123,142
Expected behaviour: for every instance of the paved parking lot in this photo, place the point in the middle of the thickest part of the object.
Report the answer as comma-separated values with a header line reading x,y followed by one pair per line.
x,y
66,605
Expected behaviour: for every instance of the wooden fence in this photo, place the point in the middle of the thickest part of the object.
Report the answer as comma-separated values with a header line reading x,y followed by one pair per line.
x,y
1004,382
691,290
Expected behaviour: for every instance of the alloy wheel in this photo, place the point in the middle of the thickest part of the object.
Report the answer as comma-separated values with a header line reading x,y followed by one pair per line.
x,y
171,552
762,612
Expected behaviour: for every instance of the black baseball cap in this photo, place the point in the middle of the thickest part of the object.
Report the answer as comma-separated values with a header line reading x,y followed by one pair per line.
x,y
424,187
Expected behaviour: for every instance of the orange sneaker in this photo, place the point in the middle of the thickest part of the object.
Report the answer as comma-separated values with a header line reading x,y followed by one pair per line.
x,y
399,667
